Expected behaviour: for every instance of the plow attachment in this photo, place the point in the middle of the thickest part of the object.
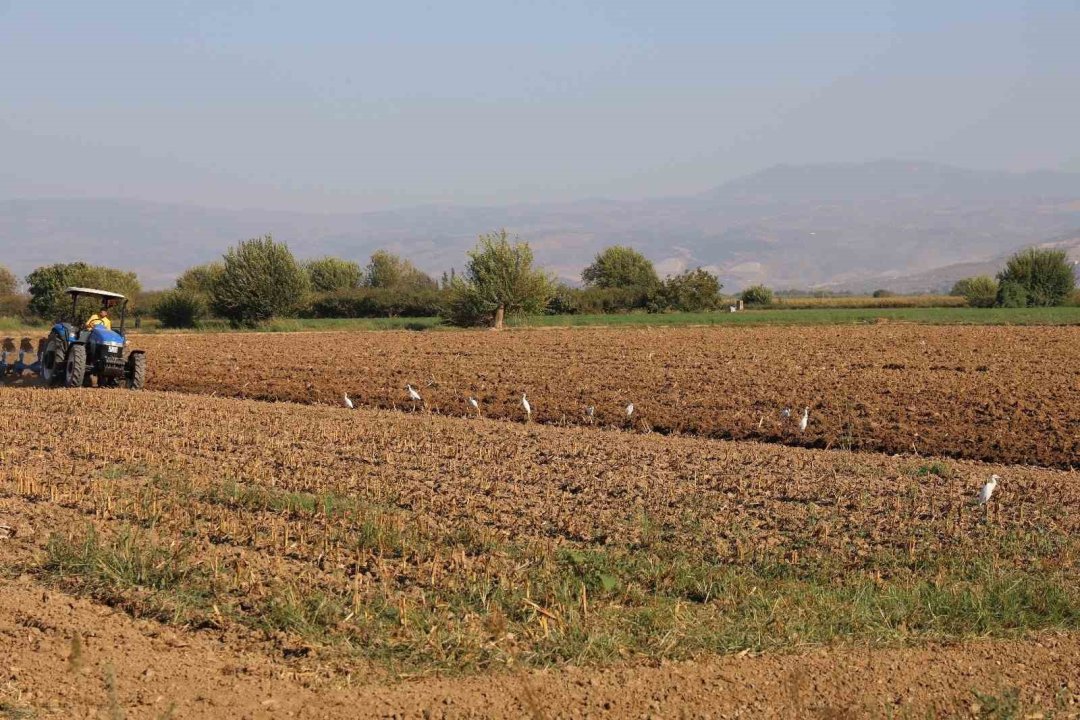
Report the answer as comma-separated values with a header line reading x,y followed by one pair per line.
x,y
19,366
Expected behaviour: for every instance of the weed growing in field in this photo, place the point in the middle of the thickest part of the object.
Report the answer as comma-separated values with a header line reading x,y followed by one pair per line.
x,y
129,570
539,605
937,468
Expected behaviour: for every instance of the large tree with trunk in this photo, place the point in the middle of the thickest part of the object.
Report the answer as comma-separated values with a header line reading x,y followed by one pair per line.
x,y
499,280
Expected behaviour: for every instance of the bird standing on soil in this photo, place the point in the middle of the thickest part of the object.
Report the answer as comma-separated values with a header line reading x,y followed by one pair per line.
x,y
629,410
414,396
348,402
528,408
474,404
804,420
988,489
590,411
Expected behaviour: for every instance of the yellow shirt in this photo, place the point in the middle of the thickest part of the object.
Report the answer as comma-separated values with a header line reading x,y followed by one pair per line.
x,y
95,319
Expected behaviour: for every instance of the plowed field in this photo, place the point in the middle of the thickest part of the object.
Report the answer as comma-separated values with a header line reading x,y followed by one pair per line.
x,y
312,555
1000,394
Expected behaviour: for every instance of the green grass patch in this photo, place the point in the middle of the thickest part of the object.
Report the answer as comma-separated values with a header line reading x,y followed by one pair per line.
x,y
936,468
536,605
20,326
818,316
1069,315
129,570
267,499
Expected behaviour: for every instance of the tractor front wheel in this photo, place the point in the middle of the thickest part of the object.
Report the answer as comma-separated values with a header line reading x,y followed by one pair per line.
x,y
75,367
136,371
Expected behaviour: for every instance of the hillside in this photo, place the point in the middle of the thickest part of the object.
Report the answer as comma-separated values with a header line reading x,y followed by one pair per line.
x,y
789,226
943,278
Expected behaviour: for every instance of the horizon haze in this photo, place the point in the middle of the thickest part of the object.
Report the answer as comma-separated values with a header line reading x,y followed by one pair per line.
x,y
353,107
828,145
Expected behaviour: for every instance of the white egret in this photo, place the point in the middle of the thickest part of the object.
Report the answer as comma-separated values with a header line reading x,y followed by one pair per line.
x,y
804,420
415,396
629,410
528,408
474,404
988,489
348,402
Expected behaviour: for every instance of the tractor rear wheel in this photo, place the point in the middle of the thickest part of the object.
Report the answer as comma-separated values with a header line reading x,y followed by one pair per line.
x,y
75,367
52,361
136,375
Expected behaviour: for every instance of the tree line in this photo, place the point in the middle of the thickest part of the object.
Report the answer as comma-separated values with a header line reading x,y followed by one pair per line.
x,y
260,279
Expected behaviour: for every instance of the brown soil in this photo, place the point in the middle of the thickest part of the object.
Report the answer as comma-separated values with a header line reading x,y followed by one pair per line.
x,y
1000,394
199,675
576,487
525,482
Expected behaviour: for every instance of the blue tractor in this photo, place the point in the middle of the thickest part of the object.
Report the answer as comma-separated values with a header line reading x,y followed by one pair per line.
x,y
75,356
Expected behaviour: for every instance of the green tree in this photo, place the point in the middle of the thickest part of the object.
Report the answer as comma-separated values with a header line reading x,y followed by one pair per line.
x,y
46,286
200,279
387,270
499,279
330,274
1045,275
9,283
620,267
757,295
980,291
180,308
691,291
260,280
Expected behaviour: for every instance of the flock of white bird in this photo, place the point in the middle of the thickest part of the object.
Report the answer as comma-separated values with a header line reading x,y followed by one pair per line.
x,y
984,494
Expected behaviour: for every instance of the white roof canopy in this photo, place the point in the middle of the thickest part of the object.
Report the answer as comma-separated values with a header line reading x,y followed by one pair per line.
x,y
95,293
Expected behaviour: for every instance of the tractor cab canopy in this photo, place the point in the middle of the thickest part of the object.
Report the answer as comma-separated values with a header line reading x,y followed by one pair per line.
x,y
108,299
105,295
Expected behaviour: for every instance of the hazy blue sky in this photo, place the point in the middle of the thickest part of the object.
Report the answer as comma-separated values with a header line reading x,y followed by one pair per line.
x,y
358,105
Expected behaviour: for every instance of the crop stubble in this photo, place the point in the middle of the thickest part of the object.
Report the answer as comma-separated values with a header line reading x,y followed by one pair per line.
x,y
425,544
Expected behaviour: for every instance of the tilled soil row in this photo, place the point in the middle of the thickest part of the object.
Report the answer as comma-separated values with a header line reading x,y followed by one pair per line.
x,y
998,394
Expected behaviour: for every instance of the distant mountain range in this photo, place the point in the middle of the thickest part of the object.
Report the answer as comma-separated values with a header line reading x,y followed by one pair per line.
x,y
943,278
846,226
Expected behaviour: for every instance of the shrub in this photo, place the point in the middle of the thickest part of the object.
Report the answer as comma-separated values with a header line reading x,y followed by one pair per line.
x,y
565,300
386,270
620,267
981,291
596,300
1012,295
757,295
260,280
329,274
692,291
9,284
200,278
376,302
15,306
1046,276
180,309
882,293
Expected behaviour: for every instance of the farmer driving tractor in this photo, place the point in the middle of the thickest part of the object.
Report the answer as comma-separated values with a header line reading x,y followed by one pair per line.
x,y
101,317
